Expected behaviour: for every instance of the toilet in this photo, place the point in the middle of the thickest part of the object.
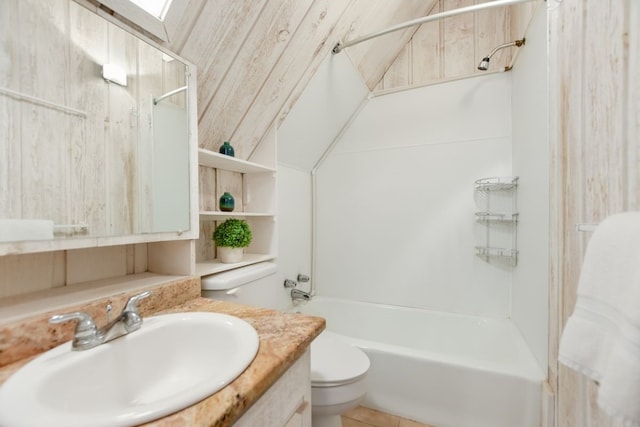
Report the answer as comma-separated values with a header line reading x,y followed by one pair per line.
x,y
338,369
338,378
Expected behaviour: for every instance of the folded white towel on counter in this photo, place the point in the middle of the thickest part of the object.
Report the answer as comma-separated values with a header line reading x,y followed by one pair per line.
x,y
18,230
602,337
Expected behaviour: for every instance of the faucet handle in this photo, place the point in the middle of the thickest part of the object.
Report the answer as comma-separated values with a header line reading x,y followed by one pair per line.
x,y
86,329
288,283
303,278
131,304
130,315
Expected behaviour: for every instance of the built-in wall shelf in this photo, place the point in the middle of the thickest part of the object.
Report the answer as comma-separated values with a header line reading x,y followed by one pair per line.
x,y
18,307
253,186
204,268
218,215
232,164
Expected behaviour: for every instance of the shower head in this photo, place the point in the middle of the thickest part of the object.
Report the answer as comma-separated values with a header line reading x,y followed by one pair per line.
x,y
484,64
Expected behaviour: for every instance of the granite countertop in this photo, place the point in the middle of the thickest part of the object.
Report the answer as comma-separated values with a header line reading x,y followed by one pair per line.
x,y
284,337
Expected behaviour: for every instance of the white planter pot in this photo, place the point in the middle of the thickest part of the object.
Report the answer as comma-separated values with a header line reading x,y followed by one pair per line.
x,y
229,255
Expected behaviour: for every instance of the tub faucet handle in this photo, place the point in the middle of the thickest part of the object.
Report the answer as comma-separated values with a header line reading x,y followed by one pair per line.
x,y
288,283
303,278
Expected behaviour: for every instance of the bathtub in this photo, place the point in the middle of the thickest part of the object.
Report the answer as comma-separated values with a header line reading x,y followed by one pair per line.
x,y
444,369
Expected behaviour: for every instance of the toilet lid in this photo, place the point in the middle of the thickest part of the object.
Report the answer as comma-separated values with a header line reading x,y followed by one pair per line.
x,y
334,361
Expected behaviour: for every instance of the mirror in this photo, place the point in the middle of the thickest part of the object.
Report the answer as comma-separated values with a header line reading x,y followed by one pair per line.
x,y
84,149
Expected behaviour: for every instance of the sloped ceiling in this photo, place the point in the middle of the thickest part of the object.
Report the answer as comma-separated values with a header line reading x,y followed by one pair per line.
x,y
255,57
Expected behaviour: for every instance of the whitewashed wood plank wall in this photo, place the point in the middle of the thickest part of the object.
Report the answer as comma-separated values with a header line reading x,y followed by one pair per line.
x,y
452,48
254,59
595,106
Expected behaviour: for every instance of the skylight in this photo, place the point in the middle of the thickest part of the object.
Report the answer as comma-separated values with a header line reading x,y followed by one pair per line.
x,y
159,17
157,8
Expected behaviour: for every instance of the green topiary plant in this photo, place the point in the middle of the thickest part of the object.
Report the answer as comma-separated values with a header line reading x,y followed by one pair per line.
x,y
234,233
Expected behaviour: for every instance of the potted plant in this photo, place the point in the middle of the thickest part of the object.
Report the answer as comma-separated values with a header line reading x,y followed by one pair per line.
x,y
231,237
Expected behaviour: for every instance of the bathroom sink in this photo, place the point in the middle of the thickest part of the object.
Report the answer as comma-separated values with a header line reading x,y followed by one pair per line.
x,y
172,362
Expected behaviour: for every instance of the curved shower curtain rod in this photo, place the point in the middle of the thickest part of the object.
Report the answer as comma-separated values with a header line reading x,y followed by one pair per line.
x,y
340,46
168,94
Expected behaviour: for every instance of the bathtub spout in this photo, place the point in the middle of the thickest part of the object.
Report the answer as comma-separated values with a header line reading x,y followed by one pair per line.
x,y
297,294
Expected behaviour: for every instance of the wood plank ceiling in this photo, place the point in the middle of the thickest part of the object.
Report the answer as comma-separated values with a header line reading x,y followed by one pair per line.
x,y
255,57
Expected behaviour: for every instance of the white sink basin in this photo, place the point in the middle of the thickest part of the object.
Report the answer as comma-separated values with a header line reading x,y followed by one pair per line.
x,y
172,362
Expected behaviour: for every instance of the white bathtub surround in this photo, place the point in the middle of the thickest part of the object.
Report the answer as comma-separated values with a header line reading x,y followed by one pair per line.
x,y
395,199
328,103
393,214
530,288
439,368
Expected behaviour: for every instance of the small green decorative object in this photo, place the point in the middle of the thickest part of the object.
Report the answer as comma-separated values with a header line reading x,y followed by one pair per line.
x,y
227,204
234,233
227,149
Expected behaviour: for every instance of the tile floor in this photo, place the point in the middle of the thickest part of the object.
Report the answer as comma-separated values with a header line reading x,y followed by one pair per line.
x,y
365,417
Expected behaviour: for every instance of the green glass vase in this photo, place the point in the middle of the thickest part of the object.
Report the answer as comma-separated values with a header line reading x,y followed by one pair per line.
x,y
227,149
227,204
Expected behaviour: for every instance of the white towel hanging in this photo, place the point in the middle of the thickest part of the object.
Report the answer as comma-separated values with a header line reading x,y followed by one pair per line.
x,y
602,337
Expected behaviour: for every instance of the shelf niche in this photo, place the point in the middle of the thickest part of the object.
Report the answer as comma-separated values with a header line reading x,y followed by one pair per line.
x,y
253,186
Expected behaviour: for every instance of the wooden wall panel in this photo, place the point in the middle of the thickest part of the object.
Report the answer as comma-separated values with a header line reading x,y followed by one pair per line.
x,y
260,52
400,74
214,42
372,58
44,131
207,189
230,182
306,45
452,48
492,28
426,52
88,33
519,17
22,274
592,111
254,58
459,41
120,155
10,167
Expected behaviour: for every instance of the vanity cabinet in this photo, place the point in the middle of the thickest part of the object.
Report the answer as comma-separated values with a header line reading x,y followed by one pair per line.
x,y
253,187
287,402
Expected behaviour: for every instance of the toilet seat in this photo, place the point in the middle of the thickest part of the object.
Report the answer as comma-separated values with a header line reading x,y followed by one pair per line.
x,y
336,363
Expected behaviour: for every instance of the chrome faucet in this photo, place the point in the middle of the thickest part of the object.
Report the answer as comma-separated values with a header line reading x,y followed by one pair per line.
x,y
297,294
87,334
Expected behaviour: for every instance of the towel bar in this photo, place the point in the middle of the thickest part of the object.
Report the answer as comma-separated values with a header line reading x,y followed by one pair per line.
x,y
586,227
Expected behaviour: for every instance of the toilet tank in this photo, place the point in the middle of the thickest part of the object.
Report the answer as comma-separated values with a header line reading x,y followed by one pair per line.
x,y
251,285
